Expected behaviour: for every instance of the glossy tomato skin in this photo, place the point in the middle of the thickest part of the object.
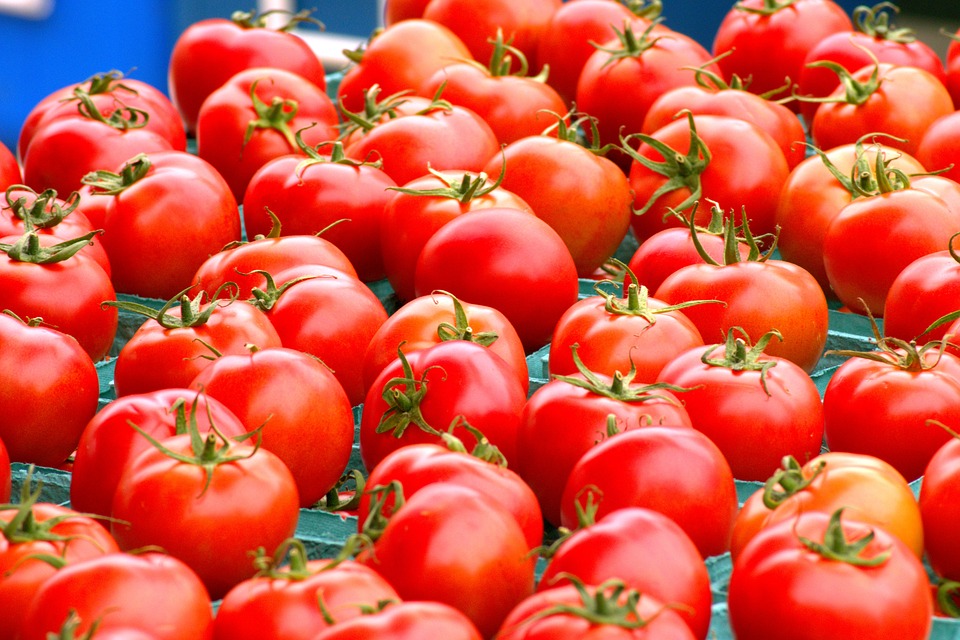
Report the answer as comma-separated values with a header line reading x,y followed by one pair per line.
x,y
9,168
938,509
638,468
285,605
822,597
940,144
152,592
305,413
6,481
669,569
209,52
225,116
463,379
42,364
108,442
924,291
953,70
486,570
583,196
405,620
507,259
881,409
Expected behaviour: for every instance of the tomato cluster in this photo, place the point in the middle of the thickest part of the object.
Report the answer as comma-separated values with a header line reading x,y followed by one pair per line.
x,y
334,296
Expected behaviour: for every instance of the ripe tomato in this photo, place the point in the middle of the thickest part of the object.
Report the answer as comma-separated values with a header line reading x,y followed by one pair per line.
x,y
506,259
305,413
405,620
940,144
937,502
923,292
42,364
165,213
151,593
108,442
487,570
6,481
9,168
637,468
645,549
835,579
252,118
208,52
953,68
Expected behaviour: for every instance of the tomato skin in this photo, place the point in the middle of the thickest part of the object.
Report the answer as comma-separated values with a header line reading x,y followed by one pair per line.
x,y
405,620
821,597
953,70
9,168
880,409
285,607
209,52
638,468
310,430
151,592
108,443
940,145
671,569
531,293
483,568
925,290
6,480
937,503
42,364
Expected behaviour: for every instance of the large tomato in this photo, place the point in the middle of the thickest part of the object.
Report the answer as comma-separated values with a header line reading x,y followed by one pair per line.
x,y
937,504
818,575
208,52
923,292
405,620
9,168
6,481
940,145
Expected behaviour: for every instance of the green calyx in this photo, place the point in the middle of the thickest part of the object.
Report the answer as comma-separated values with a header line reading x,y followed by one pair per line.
x,y
71,626
194,312
23,526
612,603
122,117
108,183
902,354
337,155
875,22
353,481
788,480
854,92
463,189
483,450
253,20
862,180
733,236
620,387
45,211
739,355
631,44
28,248
769,7
461,329
835,546
404,395
277,115
646,9
288,562
948,595
503,56
101,83
374,111
636,302
681,171
265,299
376,522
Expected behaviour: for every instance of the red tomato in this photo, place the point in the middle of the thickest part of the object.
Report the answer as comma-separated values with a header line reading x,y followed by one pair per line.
x,y
105,91
307,195
172,347
108,442
833,579
506,259
638,468
9,168
166,212
208,52
63,288
405,621
938,510
440,317
940,144
305,413
487,569
768,40
645,549
151,593
397,10
292,597
252,118
923,292
582,195
6,482
953,69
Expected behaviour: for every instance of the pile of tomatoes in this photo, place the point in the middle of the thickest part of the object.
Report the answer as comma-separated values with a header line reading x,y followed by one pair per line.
x,y
279,272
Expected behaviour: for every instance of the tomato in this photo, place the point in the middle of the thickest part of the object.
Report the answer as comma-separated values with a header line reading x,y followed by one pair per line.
x,y
506,259
439,317
936,504
419,395
208,52
669,569
872,490
484,567
953,68
292,597
104,91
9,168
405,621
581,194
33,528
149,593
923,292
179,493
422,206
609,608
638,468
308,315
397,10
939,146
307,195
725,160
882,97
108,442
166,213
875,38
768,40
57,284
6,481
173,345
569,415
252,118
834,578
880,404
